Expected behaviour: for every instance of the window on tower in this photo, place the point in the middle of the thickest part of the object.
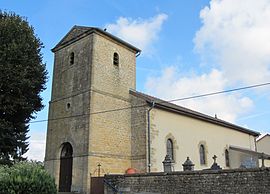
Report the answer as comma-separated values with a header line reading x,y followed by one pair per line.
x,y
116,59
71,58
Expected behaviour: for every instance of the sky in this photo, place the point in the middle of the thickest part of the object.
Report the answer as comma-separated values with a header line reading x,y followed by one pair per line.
x,y
189,47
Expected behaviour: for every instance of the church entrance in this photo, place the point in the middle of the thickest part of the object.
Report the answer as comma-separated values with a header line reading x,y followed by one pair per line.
x,y
65,179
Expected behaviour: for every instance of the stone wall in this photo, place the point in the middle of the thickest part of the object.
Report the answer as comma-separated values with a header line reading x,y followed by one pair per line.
x,y
110,131
205,181
138,134
70,101
83,92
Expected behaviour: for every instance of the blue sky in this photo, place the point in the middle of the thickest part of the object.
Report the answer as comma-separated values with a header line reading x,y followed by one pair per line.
x,y
188,47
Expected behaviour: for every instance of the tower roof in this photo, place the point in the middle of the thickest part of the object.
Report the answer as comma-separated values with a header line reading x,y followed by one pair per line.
x,y
78,32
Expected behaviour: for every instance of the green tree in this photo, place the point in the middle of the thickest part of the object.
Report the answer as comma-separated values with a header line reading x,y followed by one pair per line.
x,y
22,79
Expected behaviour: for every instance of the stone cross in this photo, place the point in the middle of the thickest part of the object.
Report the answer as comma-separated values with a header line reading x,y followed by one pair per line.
x,y
215,166
99,165
215,158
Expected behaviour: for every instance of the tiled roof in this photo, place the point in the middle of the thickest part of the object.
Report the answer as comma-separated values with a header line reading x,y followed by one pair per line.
x,y
78,32
249,151
162,104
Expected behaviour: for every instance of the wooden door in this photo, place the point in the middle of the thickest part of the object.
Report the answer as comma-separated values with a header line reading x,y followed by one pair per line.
x,y
65,178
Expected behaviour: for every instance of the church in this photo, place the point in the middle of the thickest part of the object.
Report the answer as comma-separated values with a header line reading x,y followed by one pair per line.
x,y
99,124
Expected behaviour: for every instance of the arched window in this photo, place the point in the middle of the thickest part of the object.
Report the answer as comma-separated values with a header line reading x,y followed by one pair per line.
x,y
67,151
202,155
227,159
170,148
116,59
71,58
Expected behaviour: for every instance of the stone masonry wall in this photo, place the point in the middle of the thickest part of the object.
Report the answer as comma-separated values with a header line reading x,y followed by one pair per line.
x,y
138,134
71,83
82,94
110,131
205,181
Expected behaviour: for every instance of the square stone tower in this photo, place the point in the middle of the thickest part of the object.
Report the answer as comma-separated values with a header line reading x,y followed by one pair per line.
x,y
93,72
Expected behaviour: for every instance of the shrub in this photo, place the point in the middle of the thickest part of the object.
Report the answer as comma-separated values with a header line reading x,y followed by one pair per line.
x,y
26,178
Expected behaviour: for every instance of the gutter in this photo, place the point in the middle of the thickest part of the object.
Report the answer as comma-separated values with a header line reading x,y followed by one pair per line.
x,y
148,132
138,54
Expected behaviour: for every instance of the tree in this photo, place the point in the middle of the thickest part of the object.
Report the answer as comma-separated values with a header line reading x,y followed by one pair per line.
x,y
22,79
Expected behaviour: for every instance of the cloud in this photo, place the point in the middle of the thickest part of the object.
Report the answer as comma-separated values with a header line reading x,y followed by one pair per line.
x,y
139,32
233,43
171,84
37,146
236,36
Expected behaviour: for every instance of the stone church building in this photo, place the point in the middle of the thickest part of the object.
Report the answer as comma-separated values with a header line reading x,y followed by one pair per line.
x,y
99,123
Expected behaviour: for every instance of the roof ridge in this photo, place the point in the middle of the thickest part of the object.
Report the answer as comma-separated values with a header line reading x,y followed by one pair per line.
x,y
166,101
192,113
80,26
84,30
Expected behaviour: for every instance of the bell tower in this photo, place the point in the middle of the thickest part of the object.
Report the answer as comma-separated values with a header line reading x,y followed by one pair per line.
x,y
93,73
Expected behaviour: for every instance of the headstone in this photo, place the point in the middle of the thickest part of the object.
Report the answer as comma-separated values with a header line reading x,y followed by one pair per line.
x,y
215,166
188,165
167,164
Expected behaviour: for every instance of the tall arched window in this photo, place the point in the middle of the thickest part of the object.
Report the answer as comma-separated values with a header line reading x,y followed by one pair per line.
x,y
71,58
227,159
170,148
202,155
116,59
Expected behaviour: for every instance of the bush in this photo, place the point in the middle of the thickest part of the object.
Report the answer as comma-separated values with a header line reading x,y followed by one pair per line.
x,y
26,178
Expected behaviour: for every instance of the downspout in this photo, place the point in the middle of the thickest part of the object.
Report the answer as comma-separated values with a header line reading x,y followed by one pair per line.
x,y
148,129
255,142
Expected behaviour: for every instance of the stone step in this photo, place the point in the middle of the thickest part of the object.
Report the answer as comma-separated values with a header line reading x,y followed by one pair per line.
x,y
67,193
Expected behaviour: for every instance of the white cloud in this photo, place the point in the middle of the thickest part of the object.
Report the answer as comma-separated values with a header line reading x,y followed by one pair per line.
x,y
234,42
236,35
37,146
172,85
139,32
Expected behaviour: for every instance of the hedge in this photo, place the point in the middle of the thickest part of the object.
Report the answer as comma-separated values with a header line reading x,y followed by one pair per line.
x,y
26,178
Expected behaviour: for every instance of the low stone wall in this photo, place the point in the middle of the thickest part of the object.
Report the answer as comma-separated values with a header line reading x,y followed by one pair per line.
x,y
205,181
